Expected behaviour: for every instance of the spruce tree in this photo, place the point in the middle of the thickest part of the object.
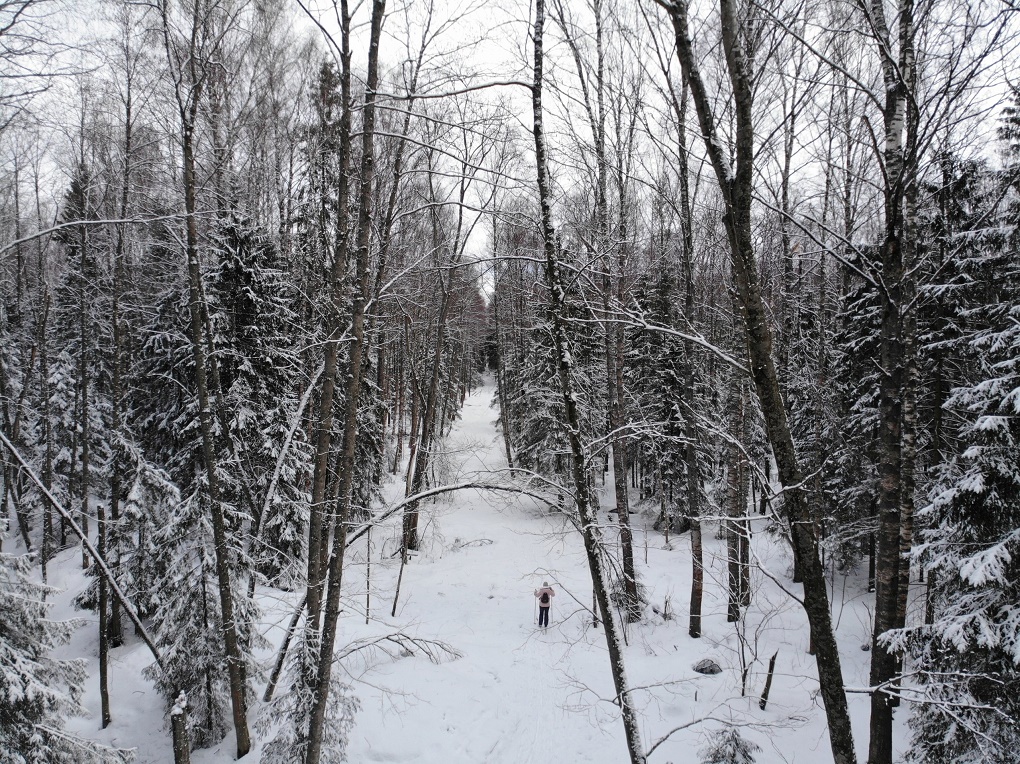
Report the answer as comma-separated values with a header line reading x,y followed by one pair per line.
x,y
37,691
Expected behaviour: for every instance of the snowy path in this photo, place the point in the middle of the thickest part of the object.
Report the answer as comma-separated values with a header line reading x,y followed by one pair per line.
x,y
507,698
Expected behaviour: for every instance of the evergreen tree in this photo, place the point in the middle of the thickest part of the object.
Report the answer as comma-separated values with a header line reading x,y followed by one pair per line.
x,y
38,692
655,371
288,713
851,472
186,620
728,746
251,314
968,656
83,332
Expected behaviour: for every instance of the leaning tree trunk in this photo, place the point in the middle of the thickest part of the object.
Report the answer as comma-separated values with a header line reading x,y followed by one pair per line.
x,y
579,462
737,191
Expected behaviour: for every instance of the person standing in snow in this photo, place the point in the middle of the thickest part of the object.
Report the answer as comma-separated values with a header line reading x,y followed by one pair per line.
x,y
544,597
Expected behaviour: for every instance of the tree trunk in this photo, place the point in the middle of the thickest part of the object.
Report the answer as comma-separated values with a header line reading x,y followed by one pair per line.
x,y
317,717
398,423
238,700
619,449
734,502
737,189
116,362
179,730
690,424
104,624
429,428
334,315
83,395
898,77
579,463
501,387
47,433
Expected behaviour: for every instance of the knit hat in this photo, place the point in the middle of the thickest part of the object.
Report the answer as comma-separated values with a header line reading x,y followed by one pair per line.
x,y
545,583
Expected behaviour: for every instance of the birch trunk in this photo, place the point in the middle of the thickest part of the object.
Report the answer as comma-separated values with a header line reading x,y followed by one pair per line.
x,y
894,443
579,462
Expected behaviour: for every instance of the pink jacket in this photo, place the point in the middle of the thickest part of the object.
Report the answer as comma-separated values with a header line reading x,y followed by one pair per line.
x,y
539,592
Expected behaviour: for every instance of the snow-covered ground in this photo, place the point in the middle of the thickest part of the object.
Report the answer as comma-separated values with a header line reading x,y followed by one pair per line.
x,y
514,694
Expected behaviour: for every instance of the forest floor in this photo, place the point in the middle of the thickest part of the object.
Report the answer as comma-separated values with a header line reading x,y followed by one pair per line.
x,y
510,693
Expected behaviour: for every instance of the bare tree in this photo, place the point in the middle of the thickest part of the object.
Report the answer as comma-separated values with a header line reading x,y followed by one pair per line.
x,y
736,184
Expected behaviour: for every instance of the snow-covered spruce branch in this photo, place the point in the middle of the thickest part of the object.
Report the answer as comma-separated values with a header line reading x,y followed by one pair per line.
x,y
88,750
100,563
913,695
891,687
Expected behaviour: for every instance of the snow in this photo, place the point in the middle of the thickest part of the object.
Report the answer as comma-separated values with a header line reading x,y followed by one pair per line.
x,y
516,694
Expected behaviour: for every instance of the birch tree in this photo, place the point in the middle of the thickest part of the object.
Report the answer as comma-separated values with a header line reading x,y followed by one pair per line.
x,y
563,359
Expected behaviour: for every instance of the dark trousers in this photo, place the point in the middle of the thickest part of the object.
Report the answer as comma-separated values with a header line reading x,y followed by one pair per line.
x,y
543,615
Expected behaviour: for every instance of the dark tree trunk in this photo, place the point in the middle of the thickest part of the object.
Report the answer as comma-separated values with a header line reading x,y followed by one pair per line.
x,y
238,700
179,731
104,625
429,428
318,533
501,386
737,190
116,362
317,718
690,424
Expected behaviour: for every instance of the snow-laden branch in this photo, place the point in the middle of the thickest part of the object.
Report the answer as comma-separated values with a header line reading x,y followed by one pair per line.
x,y
682,727
639,322
432,649
76,223
459,91
296,422
482,485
